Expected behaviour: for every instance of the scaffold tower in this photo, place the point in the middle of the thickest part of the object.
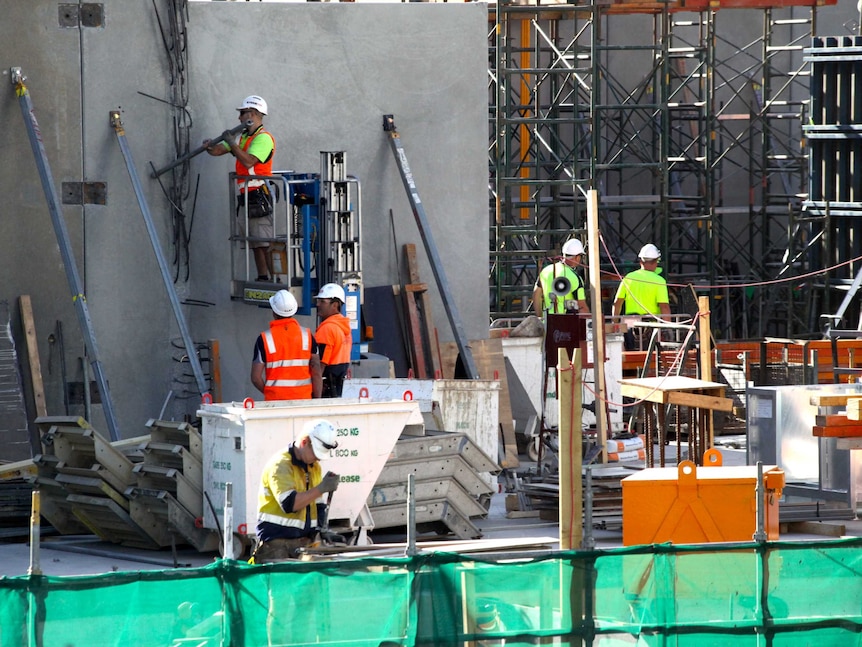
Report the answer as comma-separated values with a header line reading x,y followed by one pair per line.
x,y
689,127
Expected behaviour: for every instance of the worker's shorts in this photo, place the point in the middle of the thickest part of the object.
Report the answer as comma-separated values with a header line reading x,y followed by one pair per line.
x,y
278,550
260,228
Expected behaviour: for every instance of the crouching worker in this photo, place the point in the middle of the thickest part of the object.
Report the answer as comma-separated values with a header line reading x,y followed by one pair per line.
x,y
291,504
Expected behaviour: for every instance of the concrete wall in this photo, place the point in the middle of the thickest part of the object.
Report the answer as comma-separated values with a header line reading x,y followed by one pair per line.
x,y
328,71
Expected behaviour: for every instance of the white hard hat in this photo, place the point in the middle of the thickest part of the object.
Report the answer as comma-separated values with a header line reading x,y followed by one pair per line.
x,y
332,291
322,435
283,303
255,102
573,247
649,252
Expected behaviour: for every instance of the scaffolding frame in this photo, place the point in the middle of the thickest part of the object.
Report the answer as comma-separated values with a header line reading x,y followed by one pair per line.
x,y
667,127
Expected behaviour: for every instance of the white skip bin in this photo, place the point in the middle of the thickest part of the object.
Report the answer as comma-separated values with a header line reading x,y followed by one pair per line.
x,y
238,441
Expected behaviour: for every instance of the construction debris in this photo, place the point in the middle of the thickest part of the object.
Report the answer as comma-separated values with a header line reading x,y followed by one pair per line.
x,y
541,494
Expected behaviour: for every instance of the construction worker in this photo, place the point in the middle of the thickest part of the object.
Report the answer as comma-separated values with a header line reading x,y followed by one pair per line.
x,y
286,364
253,152
291,507
559,289
334,339
488,621
643,292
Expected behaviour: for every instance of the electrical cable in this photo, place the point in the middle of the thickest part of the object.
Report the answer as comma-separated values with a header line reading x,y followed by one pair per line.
x,y
174,34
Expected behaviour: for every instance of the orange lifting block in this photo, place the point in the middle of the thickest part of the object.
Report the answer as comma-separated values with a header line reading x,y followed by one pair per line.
x,y
690,505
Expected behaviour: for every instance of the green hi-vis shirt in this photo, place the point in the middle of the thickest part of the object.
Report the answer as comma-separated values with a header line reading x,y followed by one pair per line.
x,y
643,291
556,304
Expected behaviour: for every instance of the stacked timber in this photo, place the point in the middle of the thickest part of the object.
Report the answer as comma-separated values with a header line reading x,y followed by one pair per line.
x,y
846,424
449,489
144,492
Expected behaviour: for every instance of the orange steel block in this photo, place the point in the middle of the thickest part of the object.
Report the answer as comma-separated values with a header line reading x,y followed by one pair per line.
x,y
691,505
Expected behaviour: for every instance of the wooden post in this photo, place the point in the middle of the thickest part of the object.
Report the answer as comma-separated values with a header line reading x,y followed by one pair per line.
x,y
571,439
215,368
705,337
29,325
598,320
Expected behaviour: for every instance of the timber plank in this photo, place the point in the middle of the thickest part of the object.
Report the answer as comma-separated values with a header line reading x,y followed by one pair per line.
x,y
854,408
830,399
847,431
834,420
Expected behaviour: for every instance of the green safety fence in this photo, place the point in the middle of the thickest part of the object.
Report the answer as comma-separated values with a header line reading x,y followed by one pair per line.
x,y
776,593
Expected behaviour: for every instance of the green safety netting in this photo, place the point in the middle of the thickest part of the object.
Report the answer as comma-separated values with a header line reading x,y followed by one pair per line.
x,y
778,593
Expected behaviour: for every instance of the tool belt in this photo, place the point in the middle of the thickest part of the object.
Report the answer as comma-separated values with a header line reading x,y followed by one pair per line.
x,y
259,203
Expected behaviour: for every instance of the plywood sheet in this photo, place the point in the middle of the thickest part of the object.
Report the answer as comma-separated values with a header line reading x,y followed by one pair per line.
x,y
489,360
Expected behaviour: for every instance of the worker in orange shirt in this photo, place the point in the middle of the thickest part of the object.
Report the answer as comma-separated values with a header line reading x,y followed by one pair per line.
x,y
334,339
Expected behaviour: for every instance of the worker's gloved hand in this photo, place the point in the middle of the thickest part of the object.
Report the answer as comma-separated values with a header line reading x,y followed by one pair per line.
x,y
228,136
332,538
329,483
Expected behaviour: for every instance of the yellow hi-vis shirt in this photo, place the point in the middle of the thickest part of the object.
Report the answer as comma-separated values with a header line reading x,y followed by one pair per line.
x,y
281,477
643,291
557,304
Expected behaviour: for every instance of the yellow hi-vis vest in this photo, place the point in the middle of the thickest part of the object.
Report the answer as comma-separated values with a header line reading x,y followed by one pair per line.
x,y
280,478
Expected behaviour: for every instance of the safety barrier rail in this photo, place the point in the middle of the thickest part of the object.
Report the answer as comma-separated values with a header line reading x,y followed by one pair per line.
x,y
774,593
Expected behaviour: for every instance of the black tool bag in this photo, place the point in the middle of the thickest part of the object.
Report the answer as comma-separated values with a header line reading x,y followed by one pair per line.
x,y
259,203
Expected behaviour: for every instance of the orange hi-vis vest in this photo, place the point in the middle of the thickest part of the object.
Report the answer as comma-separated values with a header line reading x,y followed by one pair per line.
x,y
262,168
287,346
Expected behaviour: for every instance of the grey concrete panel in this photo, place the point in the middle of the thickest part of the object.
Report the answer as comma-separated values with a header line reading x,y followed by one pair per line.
x,y
334,70
30,261
329,73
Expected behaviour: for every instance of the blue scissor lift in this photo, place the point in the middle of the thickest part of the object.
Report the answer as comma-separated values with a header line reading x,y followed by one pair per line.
x,y
316,240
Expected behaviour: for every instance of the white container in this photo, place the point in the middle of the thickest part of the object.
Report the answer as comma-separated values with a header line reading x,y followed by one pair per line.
x,y
382,389
239,440
526,355
471,407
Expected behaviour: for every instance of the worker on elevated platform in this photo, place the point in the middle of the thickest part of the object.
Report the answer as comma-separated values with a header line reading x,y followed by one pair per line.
x,y
559,289
643,291
253,152
286,364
